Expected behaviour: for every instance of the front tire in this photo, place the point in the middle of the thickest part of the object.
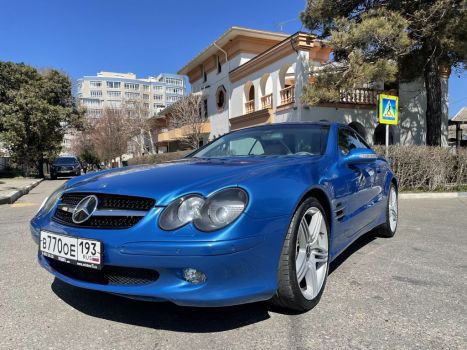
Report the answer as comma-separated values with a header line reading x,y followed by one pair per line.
x,y
388,229
304,261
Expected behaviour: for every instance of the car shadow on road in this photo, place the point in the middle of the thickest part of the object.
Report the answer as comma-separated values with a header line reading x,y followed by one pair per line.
x,y
354,247
160,315
168,316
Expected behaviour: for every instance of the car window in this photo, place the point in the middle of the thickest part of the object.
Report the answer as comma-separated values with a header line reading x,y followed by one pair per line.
x,y
248,145
65,160
349,140
275,141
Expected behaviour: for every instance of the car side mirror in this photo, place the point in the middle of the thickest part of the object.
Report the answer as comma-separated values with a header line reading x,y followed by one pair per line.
x,y
360,156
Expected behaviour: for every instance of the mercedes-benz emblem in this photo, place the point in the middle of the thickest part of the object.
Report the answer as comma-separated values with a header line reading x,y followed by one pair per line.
x,y
85,208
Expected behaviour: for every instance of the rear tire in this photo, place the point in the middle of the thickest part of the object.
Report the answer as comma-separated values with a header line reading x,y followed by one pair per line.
x,y
301,290
388,229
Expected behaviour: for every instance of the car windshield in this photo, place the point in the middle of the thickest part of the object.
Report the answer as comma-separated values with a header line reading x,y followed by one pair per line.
x,y
300,140
65,160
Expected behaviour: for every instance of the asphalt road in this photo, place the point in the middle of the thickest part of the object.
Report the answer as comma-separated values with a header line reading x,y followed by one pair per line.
x,y
408,292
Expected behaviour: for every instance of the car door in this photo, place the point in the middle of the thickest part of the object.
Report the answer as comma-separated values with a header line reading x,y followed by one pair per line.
x,y
358,205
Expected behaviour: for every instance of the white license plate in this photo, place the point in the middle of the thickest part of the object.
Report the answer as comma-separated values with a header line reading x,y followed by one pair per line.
x,y
72,250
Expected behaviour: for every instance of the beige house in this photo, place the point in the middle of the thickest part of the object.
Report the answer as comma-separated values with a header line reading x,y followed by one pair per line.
x,y
251,77
458,126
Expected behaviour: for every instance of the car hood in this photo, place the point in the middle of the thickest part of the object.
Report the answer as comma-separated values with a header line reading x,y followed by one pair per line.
x,y
166,181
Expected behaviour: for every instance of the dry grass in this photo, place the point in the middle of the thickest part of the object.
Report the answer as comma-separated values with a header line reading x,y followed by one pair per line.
x,y
423,168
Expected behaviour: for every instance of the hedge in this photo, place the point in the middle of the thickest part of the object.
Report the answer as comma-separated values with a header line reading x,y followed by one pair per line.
x,y
157,158
423,168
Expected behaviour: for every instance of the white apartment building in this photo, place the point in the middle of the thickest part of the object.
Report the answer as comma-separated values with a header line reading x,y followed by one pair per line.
x,y
111,90
251,77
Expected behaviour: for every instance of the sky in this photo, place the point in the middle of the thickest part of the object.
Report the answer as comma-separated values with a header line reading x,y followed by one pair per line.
x,y
83,37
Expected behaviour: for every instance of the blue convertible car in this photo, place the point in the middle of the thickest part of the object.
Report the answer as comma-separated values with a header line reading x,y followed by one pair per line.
x,y
257,214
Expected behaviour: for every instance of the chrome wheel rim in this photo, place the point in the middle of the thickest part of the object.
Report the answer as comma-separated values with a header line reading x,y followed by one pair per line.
x,y
393,213
311,261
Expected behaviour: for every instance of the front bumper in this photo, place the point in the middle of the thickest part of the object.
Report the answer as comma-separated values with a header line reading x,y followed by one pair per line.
x,y
238,270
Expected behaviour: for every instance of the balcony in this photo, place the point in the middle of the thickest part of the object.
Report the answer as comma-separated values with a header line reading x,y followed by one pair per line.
x,y
261,117
360,96
250,106
266,101
287,95
167,135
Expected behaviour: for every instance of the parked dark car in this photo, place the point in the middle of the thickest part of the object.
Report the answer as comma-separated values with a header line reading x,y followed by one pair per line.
x,y
65,166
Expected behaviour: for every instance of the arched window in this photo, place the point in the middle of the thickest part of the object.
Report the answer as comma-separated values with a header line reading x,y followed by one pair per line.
x,y
220,98
251,93
266,91
359,128
379,137
249,97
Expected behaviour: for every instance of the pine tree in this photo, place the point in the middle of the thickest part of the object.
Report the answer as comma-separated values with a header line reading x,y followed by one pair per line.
x,y
389,40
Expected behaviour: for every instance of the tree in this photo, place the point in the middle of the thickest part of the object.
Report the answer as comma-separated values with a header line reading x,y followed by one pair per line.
x,y
136,115
110,134
83,146
187,114
390,40
36,110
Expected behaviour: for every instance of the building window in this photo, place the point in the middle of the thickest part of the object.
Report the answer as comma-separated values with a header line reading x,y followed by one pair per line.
x,y
92,112
114,103
145,97
158,97
203,71
174,90
131,86
113,85
146,105
91,102
132,95
158,106
96,93
95,84
220,97
146,87
158,88
174,81
114,94
219,65
205,107
173,98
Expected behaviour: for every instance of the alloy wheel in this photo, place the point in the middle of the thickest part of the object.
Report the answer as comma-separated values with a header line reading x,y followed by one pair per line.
x,y
312,253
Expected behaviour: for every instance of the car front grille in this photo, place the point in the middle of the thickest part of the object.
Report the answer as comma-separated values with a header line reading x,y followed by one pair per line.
x,y
112,212
108,275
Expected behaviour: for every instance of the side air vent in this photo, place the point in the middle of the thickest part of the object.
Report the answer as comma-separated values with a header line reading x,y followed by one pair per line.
x,y
339,211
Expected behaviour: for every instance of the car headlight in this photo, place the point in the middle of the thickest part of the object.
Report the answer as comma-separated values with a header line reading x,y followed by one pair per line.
x,y
50,201
213,213
180,212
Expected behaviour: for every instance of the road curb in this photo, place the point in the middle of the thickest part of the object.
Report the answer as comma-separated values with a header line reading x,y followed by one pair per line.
x,y
433,195
14,195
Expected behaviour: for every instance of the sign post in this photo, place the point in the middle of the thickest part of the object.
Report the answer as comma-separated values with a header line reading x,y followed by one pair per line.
x,y
388,114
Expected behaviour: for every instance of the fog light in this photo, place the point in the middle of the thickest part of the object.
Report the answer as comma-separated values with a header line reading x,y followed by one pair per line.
x,y
194,276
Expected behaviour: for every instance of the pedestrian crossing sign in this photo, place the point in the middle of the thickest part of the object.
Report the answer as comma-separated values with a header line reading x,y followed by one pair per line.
x,y
388,109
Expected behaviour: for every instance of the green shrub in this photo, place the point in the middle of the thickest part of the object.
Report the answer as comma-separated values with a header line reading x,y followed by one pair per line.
x,y
157,158
423,168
